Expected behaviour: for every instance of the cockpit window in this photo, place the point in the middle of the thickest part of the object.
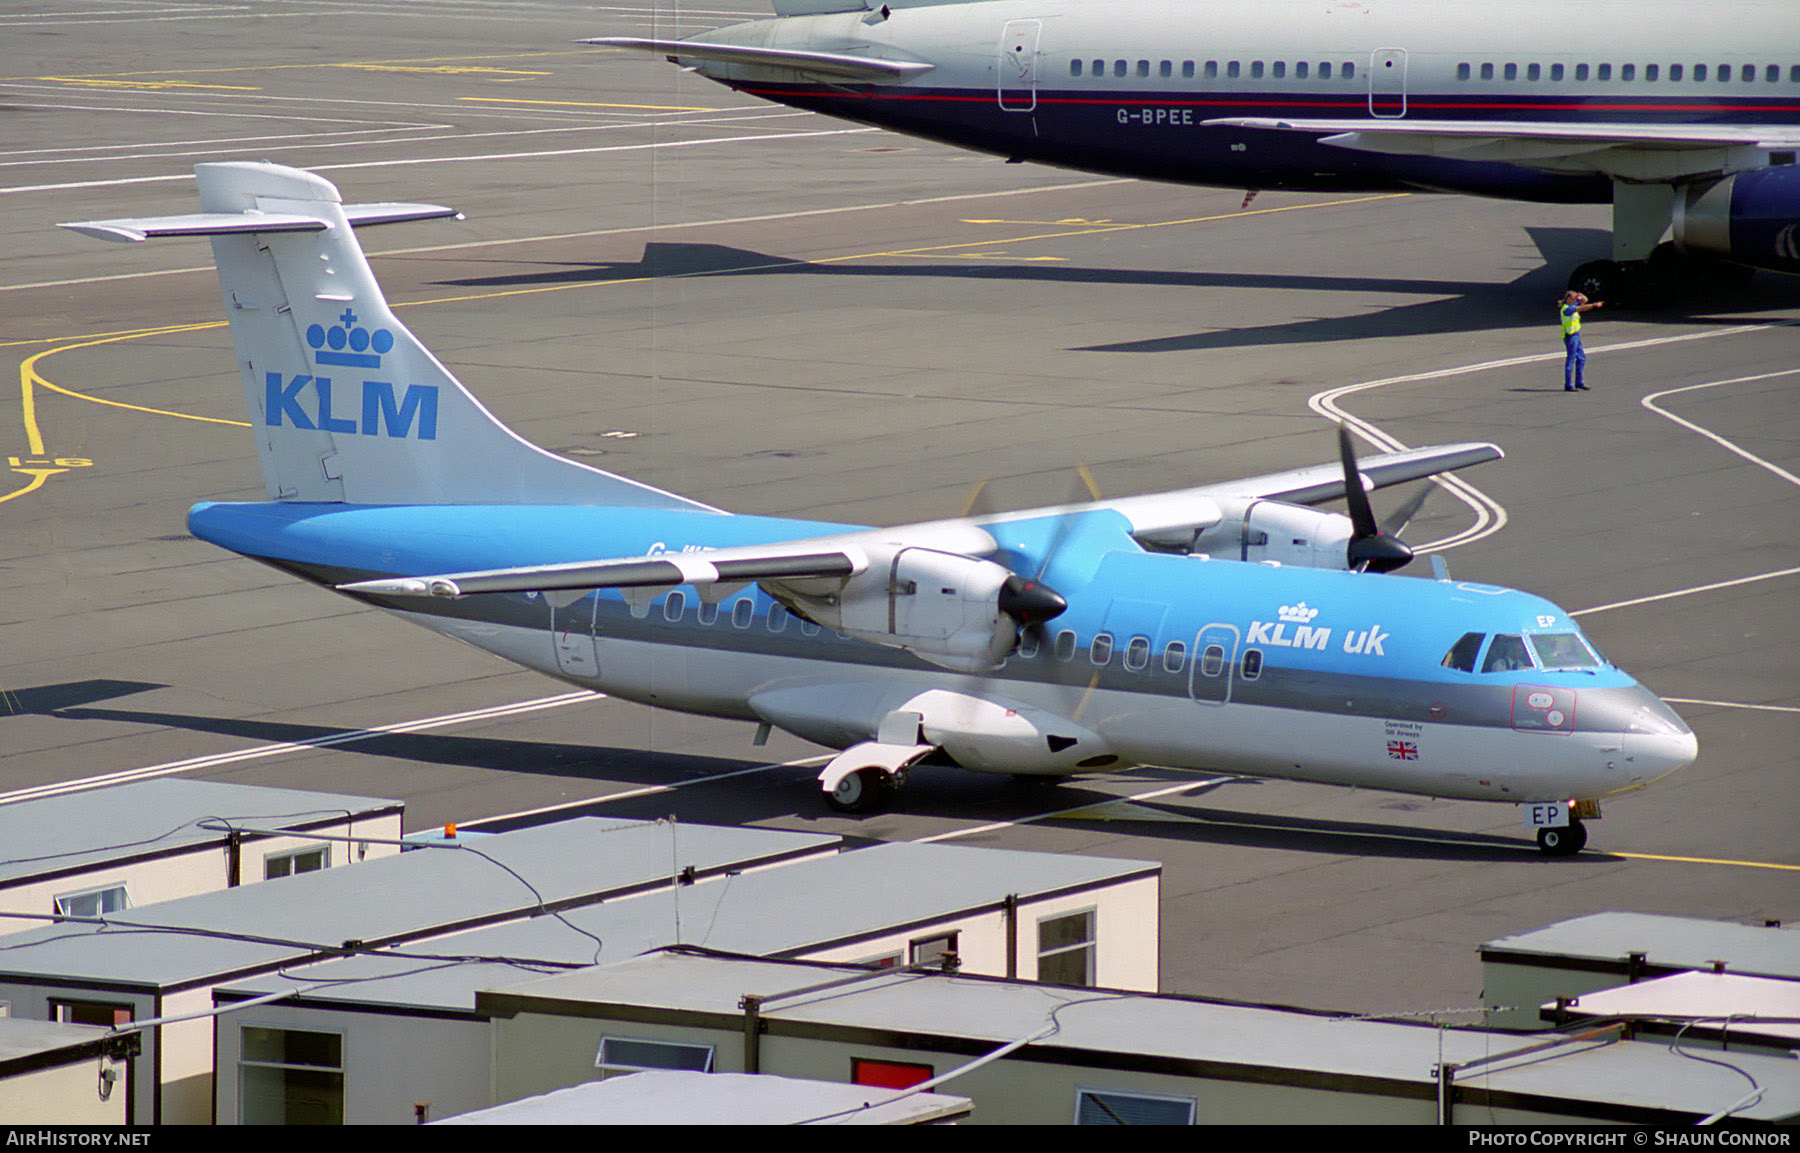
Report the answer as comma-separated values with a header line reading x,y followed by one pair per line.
x,y
1462,654
1506,654
1562,651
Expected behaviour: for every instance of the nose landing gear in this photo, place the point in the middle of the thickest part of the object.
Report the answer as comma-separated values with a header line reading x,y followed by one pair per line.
x,y
1564,840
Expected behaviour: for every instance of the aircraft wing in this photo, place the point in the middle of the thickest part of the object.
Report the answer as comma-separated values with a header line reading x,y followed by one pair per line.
x,y
724,567
1190,509
1628,151
831,65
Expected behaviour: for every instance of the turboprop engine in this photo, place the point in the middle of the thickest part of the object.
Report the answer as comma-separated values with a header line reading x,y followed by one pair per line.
x,y
960,612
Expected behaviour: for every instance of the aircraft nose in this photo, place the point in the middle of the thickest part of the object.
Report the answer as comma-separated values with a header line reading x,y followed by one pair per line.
x,y
1657,741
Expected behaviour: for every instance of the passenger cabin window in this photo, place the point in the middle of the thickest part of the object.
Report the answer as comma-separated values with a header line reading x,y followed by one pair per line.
x,y
1674,72
1212,660
1562,651
1251,666
1581,72
1174,657
1506,654
1065,645
1462,654
1074,68
1137,653
1100,652
778,617
674,605
708,613
742,611
1556,72
1187,69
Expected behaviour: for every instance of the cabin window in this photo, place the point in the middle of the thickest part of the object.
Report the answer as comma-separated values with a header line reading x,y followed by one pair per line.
x,y
1256,69
1581,72
1099,68
1300,70
1652,72
1166,69
1462,654
1231,70
1174,657
674,605
1065,645
1324,70
1603,72
1278,69
1143,68
1699,72
1348,72
1747,73
1462,71
1212,69
1251,666
1100,652
1793,74
808,628
1506,654
1118,68
1187,69
778,617
1028,645
708,613
1487,71
1074,68
1137,653
1674,72
1212,661
1556,72
1512,72
1628,72
1724,74
742,611
1533,71
1562,651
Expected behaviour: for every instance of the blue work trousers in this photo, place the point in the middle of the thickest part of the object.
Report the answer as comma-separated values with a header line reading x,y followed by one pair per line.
x,y
1574,360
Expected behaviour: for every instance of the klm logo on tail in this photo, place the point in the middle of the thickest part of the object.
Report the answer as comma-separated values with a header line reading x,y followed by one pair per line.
x,y
376,412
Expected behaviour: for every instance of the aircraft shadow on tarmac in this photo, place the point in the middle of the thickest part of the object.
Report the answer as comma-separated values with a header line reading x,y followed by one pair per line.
x,y
1452,305
791,791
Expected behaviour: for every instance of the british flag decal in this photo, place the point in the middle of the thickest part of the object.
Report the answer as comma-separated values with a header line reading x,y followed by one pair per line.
x,y
1403,750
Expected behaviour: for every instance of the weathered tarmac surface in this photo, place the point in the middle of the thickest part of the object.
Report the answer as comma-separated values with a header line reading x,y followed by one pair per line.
x,y
778,313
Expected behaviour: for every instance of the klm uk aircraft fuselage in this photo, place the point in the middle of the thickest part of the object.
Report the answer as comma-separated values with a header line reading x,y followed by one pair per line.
x,y
1226,628
1685,114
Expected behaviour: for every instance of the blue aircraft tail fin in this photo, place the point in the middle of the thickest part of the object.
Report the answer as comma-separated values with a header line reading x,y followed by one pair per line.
x,y
345,403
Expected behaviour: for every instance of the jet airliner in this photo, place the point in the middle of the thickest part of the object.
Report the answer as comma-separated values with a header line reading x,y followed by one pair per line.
x,y
1229,627
1683,114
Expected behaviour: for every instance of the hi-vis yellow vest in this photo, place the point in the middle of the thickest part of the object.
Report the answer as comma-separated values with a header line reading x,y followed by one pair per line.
x,y
1571,319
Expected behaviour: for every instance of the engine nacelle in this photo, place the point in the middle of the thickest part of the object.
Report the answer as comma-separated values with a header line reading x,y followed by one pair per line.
x,y
1749,217
1271,530
943,607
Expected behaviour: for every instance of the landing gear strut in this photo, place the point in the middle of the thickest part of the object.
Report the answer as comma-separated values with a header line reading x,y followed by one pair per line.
x,y
1563,840
1653,283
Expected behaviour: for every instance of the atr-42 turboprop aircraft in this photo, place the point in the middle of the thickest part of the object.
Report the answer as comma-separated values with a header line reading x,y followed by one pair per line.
x,y
1230,627
1684,114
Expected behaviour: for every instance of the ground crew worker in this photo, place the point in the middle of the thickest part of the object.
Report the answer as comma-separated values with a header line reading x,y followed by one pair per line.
x,y
1574,358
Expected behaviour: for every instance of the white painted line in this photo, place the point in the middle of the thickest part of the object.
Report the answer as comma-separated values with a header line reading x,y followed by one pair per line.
x,y
280,748
1786,572
646,791
998,826
1647,402
1731,705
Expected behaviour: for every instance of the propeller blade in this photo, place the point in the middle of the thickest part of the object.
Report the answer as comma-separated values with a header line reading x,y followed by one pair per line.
x,y
1403,516
1370,549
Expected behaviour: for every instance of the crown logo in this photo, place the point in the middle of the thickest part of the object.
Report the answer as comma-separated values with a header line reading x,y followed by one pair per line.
x,y
347,345
1297,614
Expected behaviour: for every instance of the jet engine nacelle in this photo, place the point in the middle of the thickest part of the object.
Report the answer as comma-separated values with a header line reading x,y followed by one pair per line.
x,y
1749,217
1271,530
944,607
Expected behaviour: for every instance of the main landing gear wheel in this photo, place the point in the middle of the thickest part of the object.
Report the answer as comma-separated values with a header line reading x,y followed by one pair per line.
x,y
863,791
1565,841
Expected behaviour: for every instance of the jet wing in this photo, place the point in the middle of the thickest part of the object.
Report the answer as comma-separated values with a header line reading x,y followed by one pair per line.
x,y
1628,151
830,65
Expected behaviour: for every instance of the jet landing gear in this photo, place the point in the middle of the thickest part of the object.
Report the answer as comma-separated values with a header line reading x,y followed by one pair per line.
x,y
1658,281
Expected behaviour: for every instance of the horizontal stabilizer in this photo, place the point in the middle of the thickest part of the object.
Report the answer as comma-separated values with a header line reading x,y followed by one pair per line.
x,y
137,229
832,64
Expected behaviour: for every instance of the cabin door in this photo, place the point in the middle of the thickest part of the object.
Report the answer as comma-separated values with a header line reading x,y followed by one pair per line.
x,y
1387,82
1018,65
572,632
